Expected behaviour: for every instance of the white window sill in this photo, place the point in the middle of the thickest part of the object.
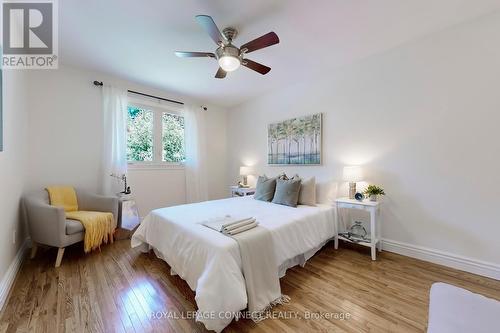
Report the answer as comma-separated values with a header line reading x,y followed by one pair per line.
x,y
156,166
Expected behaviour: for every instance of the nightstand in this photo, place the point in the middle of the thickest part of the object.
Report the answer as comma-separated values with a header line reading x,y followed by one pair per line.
x,y
372,240
242,191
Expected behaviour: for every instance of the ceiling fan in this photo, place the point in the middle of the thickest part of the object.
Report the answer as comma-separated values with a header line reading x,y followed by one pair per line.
x,y
229,56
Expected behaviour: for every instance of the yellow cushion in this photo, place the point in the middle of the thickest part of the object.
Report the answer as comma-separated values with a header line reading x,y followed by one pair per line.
x,y
63,196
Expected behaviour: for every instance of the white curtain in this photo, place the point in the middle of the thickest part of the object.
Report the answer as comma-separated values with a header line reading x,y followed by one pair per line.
x,y
196,168
114,161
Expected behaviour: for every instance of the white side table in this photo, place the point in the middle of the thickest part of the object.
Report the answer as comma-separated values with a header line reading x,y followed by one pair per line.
x,y
128,216
373,207
237,191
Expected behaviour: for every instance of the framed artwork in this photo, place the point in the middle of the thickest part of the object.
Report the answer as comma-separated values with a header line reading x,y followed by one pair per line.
x,y
295,141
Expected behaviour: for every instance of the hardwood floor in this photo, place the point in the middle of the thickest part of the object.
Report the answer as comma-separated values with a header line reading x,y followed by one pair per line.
x,y
118,289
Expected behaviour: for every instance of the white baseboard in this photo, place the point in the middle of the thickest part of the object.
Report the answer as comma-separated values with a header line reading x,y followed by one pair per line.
x,y
10,276
443,258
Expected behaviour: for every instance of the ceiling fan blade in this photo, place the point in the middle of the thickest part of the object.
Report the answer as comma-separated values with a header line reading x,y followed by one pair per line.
x,y
209,25
256,66
260,43
182,54
220,74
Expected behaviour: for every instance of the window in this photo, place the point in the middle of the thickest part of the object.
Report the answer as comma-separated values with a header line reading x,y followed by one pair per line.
x,y
172,138
140,135
154,136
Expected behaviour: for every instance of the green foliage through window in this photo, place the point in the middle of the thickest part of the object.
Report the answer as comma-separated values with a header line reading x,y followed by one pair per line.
x,y
140,135
173,138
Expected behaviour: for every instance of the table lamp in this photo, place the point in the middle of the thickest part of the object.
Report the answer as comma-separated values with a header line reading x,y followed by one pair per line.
x,y
352,174
245,171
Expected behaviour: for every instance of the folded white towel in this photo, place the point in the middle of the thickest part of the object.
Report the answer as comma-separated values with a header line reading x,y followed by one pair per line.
x,y
220,223
238,225
241,229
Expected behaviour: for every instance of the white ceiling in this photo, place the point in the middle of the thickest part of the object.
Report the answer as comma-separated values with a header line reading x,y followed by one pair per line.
x,y
136,40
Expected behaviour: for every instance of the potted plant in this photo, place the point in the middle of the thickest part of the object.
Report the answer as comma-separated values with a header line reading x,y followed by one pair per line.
x,y
373,191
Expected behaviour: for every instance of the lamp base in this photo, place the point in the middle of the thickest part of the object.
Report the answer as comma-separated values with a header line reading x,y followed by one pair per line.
x,y
245,180
352,190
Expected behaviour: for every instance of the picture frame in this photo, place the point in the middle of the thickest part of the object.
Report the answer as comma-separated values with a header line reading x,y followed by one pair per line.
x,y
295,141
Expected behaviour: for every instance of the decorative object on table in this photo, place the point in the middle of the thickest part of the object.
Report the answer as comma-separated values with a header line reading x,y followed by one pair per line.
x,y
238,191
245,171
352,174
295,141
356,233
373,191
241,185
123,178
357,230
359,196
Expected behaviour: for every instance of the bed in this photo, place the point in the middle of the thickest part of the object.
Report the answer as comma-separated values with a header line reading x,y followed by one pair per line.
x,y
210,262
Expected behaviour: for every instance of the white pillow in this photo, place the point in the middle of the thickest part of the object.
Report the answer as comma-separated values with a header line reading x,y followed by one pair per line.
x,y
307,194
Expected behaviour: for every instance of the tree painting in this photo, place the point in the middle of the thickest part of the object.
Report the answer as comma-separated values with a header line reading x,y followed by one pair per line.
x,y
295,141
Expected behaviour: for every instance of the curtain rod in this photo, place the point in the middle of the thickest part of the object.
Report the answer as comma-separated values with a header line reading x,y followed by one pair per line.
x,y
97,83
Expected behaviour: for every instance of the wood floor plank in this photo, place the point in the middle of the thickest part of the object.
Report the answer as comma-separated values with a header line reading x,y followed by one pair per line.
x,y
118,290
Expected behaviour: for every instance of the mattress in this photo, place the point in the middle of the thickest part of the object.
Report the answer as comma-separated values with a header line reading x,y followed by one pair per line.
x,y
210,261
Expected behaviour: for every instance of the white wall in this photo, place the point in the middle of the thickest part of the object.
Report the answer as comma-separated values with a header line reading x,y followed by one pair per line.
x,y
65,133
12,165
422,119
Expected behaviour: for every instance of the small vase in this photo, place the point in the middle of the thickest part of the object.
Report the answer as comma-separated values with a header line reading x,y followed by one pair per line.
x,y
373,197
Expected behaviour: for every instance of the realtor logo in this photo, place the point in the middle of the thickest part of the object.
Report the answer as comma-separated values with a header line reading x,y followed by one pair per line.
x,y
29,32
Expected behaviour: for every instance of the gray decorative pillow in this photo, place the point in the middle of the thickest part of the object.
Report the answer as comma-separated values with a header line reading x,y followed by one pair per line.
x,y
287,192
307,194
265,188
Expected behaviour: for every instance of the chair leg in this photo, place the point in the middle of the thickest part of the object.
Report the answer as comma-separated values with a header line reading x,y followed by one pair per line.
x,y
34,247
60,254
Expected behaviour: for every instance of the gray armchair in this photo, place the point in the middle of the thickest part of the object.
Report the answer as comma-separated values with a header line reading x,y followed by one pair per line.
x,y
48,225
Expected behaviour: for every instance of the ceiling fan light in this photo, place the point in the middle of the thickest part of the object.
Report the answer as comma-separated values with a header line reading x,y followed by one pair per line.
x,y
229,63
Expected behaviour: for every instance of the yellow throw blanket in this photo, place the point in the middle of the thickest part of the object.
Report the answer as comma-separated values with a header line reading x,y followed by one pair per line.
x,y
63,196
99,226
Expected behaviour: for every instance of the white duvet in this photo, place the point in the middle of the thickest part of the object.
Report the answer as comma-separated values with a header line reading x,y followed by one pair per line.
x,y
210,261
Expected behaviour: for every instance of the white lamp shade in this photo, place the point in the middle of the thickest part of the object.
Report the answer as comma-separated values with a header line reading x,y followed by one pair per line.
x,y
245,171
353,174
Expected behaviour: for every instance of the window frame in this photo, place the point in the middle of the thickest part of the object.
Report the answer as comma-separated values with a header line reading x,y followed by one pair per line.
x,y
158,110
